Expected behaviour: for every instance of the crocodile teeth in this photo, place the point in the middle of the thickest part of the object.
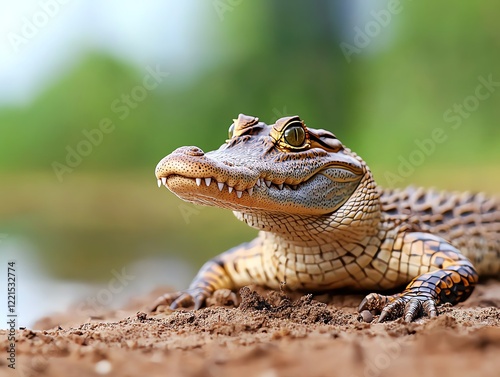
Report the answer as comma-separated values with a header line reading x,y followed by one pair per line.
x,y
208,181
268,183
280,186
221,185
159,182
239,193
163,180
198,181
258,182
230,189
250,191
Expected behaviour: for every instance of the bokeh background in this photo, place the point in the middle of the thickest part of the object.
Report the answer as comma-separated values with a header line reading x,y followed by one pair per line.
x,y
75,209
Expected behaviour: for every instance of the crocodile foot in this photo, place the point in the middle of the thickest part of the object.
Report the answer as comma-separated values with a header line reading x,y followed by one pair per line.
x,y
408,305
185,298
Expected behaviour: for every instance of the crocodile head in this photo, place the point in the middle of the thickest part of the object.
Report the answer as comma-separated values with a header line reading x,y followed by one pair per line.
x,y
284,168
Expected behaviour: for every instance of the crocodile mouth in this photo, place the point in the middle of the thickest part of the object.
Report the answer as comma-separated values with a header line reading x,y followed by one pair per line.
x,y
262,193
222,186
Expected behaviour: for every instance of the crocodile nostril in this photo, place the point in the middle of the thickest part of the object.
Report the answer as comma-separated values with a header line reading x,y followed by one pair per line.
x,y
190,151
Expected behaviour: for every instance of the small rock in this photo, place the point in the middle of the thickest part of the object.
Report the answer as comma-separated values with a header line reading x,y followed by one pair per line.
x,y
365,316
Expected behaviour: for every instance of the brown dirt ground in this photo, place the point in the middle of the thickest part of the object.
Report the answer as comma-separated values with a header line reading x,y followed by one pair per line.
x,y
268,335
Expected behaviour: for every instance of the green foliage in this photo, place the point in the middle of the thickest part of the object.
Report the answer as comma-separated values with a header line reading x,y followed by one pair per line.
x,y
437,56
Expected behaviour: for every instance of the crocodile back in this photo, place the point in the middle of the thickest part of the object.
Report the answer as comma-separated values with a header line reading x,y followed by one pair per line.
x,y
469,221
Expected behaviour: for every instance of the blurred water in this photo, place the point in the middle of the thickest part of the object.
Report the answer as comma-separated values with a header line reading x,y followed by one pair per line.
x,y
39,295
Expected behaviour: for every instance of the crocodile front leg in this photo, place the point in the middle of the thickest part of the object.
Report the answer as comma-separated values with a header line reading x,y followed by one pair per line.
x,y
446,275
233,269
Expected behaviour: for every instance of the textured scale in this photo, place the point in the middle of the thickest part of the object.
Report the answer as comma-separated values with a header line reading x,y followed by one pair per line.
x,y
471,222
325,224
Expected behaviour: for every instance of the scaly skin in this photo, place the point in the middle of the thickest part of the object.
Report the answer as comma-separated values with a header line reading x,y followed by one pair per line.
x,y
324,223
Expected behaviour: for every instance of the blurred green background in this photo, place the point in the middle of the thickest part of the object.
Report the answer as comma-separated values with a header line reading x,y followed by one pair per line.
x,y
379,74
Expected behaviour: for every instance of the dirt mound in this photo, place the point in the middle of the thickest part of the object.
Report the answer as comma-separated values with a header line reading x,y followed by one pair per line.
x,y
269,334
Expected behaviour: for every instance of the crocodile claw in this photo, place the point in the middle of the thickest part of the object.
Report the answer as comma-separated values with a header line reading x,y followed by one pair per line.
x,y
196,296
408,305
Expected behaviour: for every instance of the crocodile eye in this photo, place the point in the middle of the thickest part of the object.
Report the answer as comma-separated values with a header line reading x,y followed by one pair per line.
x,y
295,134
231,131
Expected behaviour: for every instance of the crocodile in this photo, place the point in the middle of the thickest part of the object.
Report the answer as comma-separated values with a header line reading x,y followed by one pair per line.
x,y
324,224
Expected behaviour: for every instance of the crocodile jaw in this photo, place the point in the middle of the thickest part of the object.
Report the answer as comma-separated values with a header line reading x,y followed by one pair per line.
x,y
195,177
